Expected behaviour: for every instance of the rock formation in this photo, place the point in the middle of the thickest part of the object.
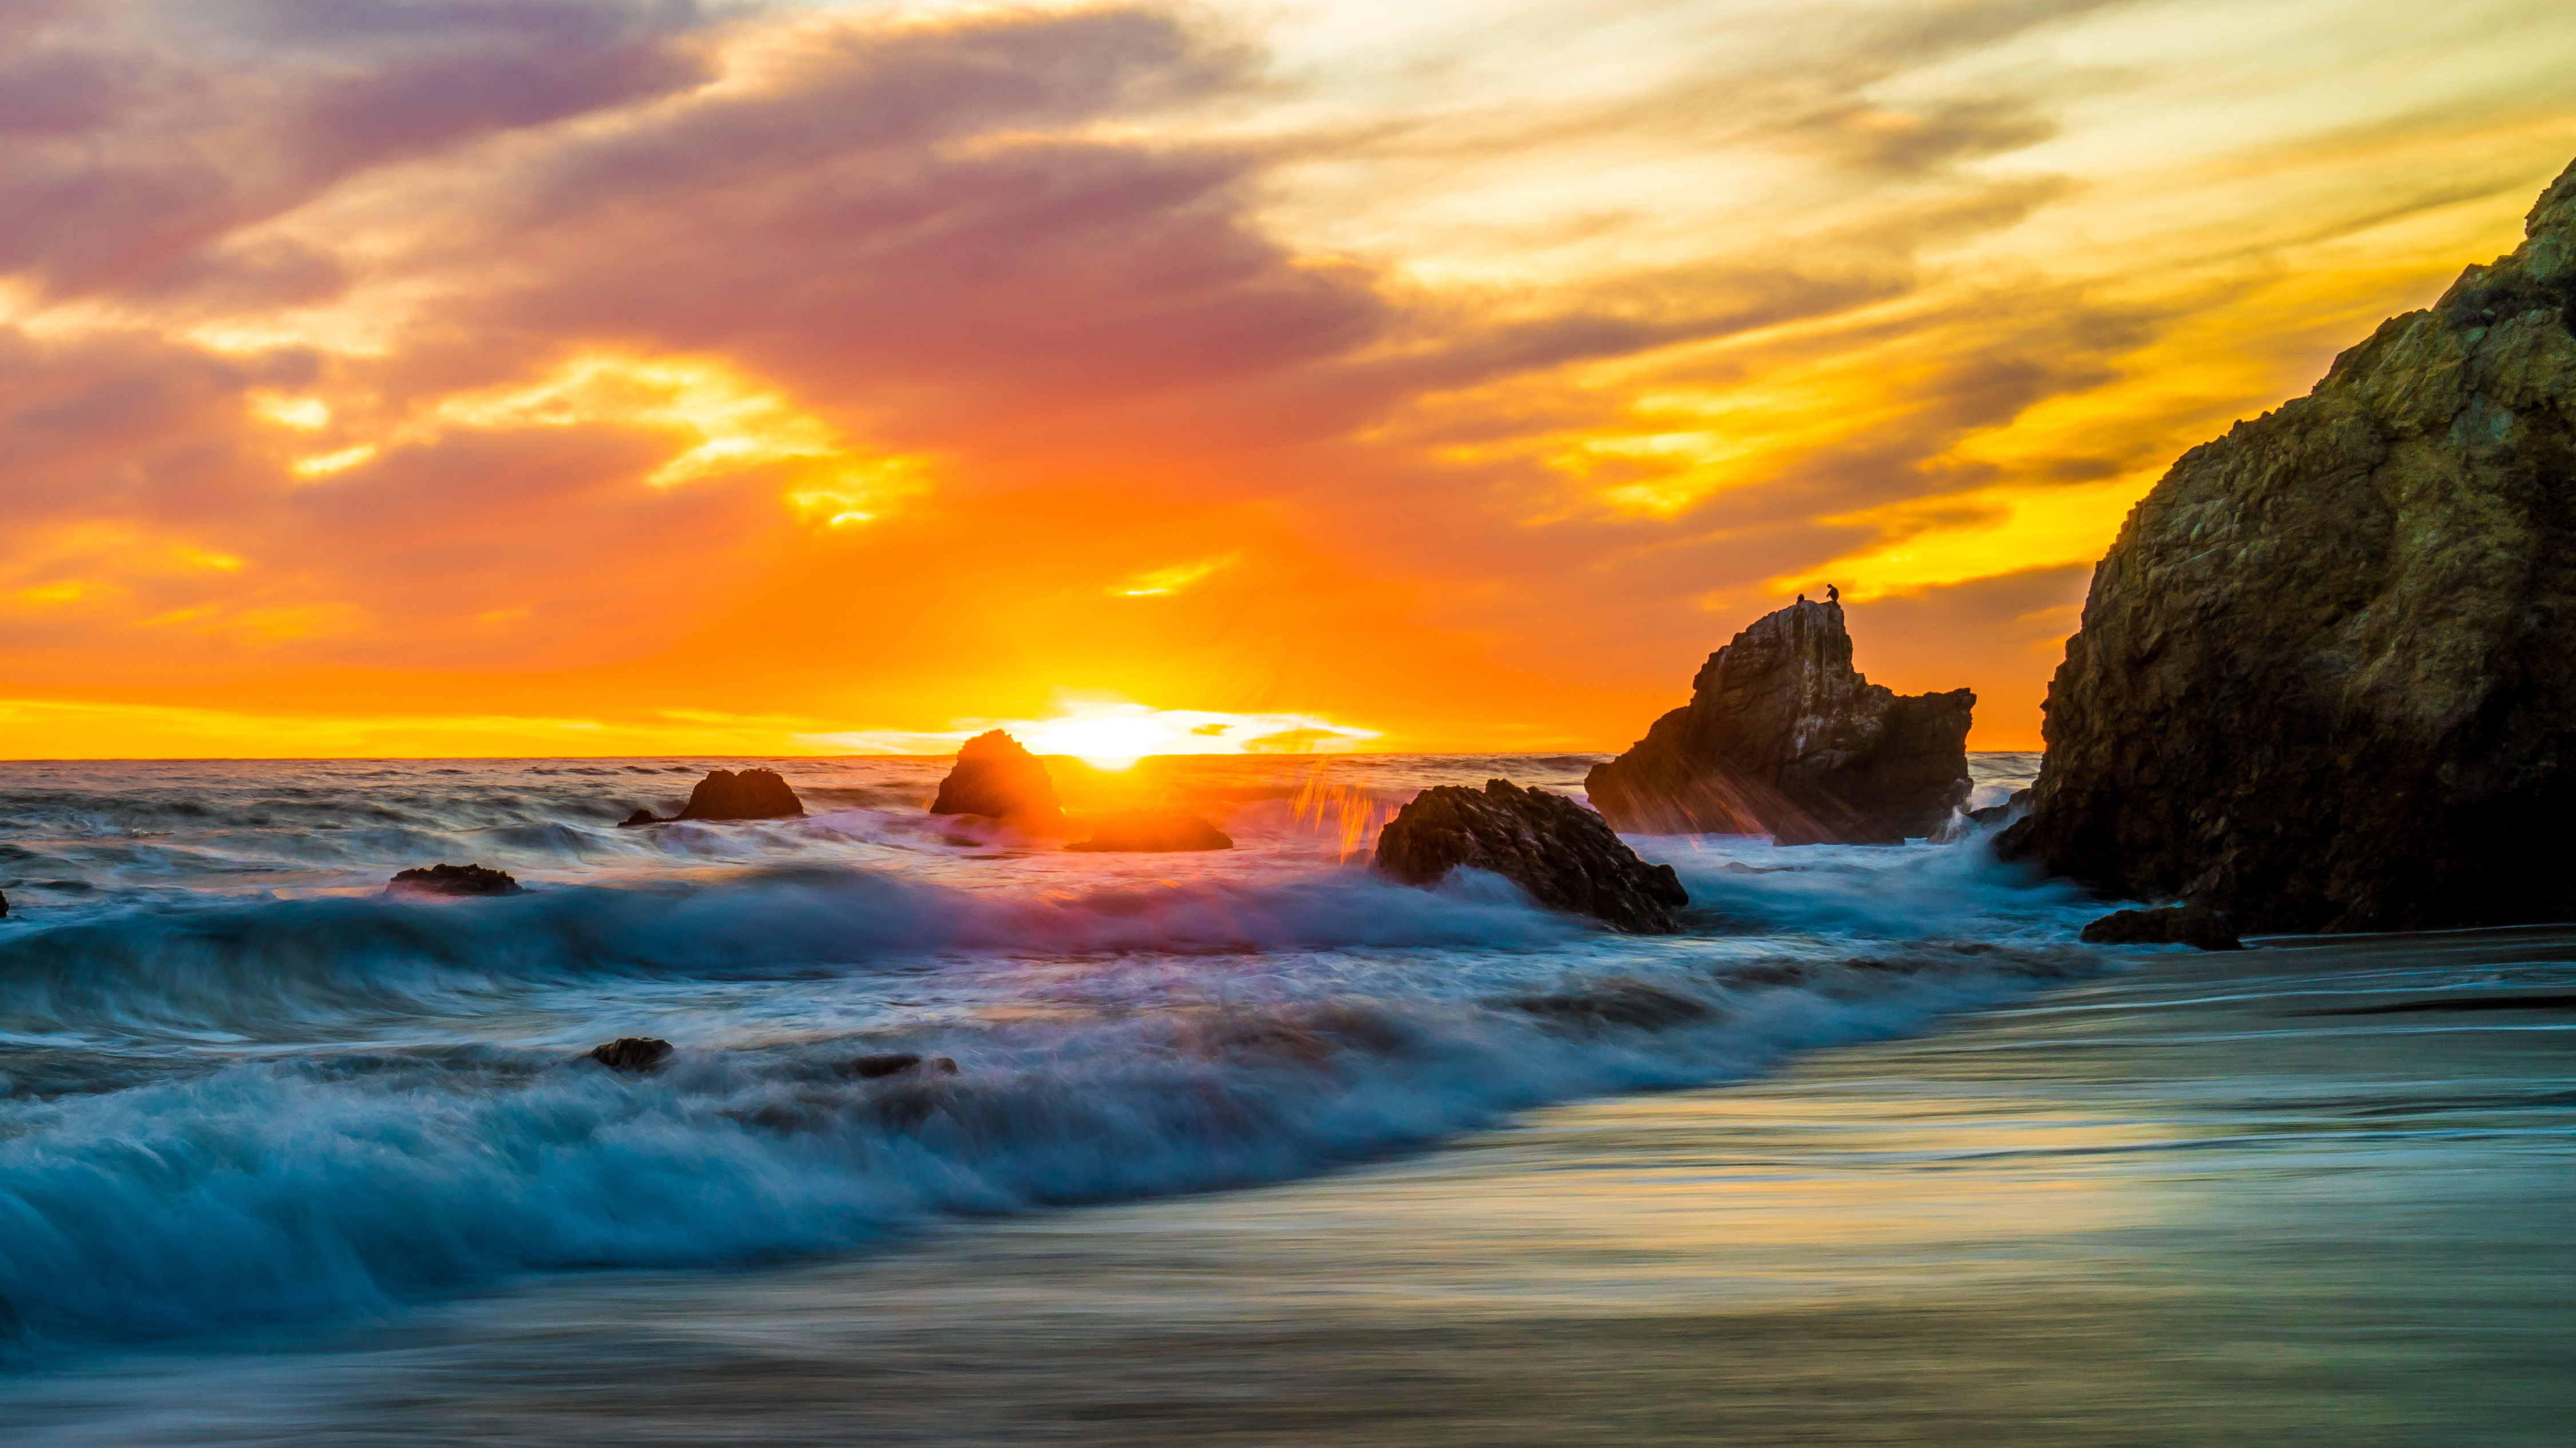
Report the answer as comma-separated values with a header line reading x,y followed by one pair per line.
x,y
2327,672
1564,855
1781,737
4,907
754,794
995,777
2193,925
1960,826
631,1054
896,1063
1143,830
452,880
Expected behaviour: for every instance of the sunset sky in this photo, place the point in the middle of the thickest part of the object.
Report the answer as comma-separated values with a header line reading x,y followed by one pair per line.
x,y
503,377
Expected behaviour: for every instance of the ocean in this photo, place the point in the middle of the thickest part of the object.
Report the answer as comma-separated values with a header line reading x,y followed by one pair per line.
x,y
1243,1146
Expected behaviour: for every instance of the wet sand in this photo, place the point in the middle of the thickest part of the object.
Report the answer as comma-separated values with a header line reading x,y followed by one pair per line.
x,y
2212,1199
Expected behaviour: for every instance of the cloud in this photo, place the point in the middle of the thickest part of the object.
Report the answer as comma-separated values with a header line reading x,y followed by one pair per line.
x,y
864,368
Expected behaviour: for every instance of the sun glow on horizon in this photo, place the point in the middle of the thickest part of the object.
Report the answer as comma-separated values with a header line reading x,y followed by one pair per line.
x,y
1114,734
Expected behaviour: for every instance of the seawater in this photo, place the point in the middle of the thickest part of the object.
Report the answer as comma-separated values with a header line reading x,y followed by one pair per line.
x,y
239,1085
1872,1155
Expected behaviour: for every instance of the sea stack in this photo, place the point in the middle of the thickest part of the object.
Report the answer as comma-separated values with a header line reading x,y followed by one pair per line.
x,y
2327,671
1564,855
754,794
1782,737
995,777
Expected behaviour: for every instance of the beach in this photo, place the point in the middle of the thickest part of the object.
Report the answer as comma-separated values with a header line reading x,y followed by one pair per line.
x,y
2309,1192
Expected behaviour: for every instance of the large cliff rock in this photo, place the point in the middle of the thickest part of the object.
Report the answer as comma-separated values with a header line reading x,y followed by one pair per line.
x,y
1781,737
2327,673
1564,855
996,777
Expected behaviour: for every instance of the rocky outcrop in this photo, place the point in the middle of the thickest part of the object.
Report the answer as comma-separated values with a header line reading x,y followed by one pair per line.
x,y
1564,855
4,907
642,816
631,1054
1151,830
2327,671
754,794
1782,737
2193,925
452,880
898,1063
994,776
1960,826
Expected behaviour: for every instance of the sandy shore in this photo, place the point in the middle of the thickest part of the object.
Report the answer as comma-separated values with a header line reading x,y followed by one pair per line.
x,y
2212,1199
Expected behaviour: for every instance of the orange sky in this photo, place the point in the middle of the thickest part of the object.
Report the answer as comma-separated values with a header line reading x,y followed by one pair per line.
x,y
576,377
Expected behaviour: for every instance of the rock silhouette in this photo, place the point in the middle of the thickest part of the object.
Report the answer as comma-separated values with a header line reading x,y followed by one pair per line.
x,y
2193,925
1152,830
445,879
994,776
630,1053
896,1063
2326,671
1782,737
1564,855
642,816
754,794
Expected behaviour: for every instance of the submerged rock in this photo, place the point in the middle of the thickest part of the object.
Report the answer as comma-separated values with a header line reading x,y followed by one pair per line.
x,y
1638,1004
630,1053
1149,830
995,777
445,879
2193,925
2327,670
896,1063
1564,855
640,817
1782,737
754,794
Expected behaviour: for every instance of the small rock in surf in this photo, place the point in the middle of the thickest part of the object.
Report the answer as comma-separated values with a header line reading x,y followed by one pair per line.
x,y
631,1054
896,1063
460,880
640,817
2010,810
754,794
1564,855
2194,925
997,778
1146,830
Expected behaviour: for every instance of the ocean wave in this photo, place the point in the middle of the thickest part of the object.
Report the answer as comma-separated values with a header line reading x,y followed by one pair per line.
x,y
335,1183
273,969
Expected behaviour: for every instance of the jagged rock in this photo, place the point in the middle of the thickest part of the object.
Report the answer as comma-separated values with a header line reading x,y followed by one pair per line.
x,y
631,1054
1564,855
1961,825
2193,925
1781,737
452,880
640,817
995,777
2327,670
896,1063
1144,830
754,794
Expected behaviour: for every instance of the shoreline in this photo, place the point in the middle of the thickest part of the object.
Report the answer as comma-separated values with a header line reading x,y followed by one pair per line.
x,y
2133,1209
